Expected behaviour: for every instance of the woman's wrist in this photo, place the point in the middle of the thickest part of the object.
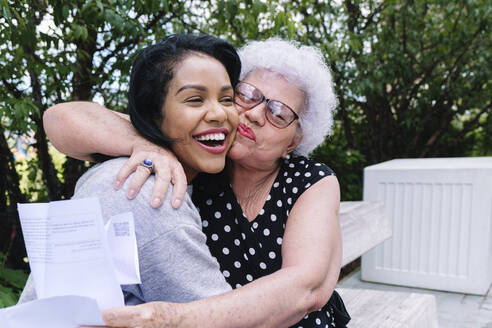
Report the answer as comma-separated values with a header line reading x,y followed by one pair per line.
x,y
148,315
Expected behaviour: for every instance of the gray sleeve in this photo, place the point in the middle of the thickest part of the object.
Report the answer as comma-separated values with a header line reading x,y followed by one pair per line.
x,y
180,268
175,262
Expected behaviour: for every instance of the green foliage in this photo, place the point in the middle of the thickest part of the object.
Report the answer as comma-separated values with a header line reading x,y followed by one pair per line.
x,y
346,162
11,284
31,182
413,78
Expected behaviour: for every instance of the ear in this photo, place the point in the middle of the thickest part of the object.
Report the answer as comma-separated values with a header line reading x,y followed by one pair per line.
x,y
295,142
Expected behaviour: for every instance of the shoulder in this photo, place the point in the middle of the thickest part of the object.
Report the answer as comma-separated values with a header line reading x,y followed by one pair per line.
x,y
302,169
299,173
105,171
98,182
304,164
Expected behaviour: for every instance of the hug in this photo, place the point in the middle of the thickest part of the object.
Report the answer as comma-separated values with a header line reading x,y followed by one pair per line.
x,y
253,239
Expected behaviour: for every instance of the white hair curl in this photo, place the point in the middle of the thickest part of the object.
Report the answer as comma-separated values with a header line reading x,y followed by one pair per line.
x,y
305,67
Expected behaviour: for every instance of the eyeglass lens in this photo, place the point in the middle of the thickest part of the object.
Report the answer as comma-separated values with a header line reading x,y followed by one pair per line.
x,y
277,113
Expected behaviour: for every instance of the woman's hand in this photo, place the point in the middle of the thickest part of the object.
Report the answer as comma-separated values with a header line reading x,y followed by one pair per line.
x,y
81,129
148,315
167,169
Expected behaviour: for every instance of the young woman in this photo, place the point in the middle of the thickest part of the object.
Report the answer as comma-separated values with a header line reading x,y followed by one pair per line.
x,y
181,94
271,220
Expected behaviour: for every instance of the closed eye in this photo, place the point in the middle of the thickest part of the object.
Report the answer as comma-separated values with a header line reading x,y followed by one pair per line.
x,y
194,100
276,111
280,117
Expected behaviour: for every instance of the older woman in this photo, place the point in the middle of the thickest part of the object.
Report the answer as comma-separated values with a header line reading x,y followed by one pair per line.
x,y
271,219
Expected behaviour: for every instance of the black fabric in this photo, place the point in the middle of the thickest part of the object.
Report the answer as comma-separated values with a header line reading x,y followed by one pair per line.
x,y
249,250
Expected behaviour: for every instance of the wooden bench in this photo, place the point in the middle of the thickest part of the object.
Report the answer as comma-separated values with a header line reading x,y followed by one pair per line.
x,y
386,309
365,225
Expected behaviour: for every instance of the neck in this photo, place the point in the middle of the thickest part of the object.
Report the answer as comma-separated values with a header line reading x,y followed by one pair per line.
x,y
251,187
246,177
190,173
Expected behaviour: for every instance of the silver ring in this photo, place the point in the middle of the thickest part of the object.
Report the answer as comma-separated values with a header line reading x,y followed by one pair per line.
x,y
148,164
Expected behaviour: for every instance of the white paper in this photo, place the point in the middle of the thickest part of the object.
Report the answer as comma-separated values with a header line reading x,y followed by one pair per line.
x,y
34,222
76,258
120,232
54,312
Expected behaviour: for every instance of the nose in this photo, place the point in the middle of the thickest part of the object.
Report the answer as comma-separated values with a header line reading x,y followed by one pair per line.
x,y
256,114
216,113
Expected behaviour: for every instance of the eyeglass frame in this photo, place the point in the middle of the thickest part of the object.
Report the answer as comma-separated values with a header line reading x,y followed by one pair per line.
x,y
268,100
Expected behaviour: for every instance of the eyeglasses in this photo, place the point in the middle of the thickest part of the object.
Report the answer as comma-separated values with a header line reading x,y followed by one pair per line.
x,y
277,113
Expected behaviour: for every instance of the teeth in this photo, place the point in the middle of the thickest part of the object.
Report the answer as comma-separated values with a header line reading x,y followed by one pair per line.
x,y
212,136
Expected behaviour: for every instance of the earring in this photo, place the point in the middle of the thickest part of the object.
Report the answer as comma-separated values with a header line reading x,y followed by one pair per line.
x,y
287,157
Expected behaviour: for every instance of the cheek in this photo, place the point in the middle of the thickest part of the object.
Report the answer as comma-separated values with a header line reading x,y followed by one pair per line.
x,y
180,123
233,116
238,151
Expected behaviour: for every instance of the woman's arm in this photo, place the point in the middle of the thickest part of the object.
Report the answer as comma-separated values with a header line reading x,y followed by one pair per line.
x,y
81,129
311,254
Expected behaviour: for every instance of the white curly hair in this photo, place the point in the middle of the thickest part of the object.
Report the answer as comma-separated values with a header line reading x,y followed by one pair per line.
x,y
303,66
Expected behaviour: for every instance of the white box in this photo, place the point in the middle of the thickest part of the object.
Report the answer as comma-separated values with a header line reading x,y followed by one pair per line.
x,y
440,210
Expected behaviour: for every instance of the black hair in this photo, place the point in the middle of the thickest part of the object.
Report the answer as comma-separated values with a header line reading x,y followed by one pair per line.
x,y
153,70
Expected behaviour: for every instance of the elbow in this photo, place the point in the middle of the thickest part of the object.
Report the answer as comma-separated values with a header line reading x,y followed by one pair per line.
x,y
50,118
319,298
57,126
315,297
319,291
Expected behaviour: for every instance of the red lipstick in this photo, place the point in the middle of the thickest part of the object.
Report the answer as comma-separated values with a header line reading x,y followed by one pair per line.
x,y
246,131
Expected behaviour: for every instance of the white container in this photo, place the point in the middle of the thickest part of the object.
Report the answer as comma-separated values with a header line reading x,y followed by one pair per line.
x,y
440,211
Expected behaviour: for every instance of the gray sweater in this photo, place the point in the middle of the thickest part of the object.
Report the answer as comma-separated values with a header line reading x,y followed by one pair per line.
x,y
175,263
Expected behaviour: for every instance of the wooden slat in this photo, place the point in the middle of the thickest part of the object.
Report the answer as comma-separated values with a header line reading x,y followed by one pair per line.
x,y
364,225
385,309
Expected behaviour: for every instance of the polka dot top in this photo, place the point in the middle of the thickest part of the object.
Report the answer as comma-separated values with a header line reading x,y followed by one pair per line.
x,y
249,250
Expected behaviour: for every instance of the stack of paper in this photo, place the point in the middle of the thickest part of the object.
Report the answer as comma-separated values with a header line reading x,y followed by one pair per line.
x,y
77,263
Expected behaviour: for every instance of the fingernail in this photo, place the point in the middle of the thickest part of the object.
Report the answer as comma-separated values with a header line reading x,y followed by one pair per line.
x,y
131,193
155,202
117,184
176,203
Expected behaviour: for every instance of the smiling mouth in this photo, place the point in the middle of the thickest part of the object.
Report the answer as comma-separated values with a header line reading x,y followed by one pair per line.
x,y
211,140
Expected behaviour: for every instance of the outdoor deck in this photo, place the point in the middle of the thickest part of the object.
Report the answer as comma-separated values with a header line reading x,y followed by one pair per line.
x,y
454,310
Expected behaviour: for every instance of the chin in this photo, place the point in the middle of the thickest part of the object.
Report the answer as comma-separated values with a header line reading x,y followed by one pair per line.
x,y
238,151
215,167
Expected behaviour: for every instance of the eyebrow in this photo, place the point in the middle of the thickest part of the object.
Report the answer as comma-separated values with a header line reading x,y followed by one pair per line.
x,y
191,86
200,88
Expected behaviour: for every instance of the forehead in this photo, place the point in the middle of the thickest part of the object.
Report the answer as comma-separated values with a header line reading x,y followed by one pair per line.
x,y
200,68
276,87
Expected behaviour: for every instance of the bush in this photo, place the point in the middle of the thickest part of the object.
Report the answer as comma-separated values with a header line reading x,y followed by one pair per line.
x,y
11,284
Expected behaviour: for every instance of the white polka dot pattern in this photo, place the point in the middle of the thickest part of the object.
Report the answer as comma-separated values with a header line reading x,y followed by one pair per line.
x,y
247,250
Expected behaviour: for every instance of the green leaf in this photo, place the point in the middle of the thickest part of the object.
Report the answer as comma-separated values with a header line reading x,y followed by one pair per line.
x,y
7,297
6,13
290,28
76,31
14,278
65,12
84,33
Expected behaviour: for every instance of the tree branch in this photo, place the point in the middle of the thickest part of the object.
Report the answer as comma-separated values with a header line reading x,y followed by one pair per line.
x,y
16,93
370,18
122,45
